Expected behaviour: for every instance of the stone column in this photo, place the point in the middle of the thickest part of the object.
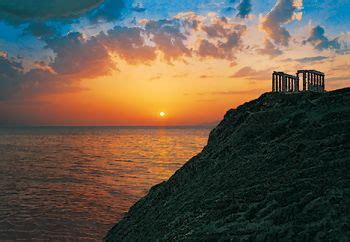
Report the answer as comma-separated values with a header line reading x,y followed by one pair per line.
x,y
315,82
322,80
273,82
280,82
294,84
284,83
312,81
304,81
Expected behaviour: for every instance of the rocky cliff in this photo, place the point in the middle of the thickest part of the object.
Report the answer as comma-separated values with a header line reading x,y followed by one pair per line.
x,y
276,168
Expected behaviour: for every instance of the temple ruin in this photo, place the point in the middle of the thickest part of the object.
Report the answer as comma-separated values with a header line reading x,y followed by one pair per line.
x,y
313,81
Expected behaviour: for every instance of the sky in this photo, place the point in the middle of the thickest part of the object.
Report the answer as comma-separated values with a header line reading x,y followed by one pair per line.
x,y
122,62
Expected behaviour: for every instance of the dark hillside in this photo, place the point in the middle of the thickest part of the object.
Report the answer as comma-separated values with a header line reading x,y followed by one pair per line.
x,y
276,168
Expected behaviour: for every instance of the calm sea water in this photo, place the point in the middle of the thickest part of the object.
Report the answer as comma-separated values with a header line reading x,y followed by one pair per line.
x,y
76,183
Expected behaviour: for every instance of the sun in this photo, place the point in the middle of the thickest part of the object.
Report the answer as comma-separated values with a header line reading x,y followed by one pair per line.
x,y
162,114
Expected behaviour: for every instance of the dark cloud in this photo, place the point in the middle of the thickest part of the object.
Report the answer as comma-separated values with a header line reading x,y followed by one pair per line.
x,y
138,8
40,30
320,41
44,18
109,10
10,73
244,8
230,7
283,12
19,10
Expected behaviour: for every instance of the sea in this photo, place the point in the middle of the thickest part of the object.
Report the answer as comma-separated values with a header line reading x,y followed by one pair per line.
x,y
75,183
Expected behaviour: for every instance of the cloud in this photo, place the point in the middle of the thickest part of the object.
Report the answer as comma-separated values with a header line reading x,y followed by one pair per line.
x,y
19,10
251,74
16,83
237,92
108,10
207,49
244,8
320,41
168,38
312,59
216,29
282,13
339,78
78,56
45,18
40,29
230,92
188,35
10,73
128,44
269,49
222,38
138,8
208,76
156,77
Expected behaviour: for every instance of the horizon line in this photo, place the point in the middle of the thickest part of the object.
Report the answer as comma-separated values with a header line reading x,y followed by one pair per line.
x,y
108,126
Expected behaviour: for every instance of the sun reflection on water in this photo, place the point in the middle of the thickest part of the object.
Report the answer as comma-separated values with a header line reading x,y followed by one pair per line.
x,y
69,183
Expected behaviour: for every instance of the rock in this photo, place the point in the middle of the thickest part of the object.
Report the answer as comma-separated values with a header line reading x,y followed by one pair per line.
x,y
275,168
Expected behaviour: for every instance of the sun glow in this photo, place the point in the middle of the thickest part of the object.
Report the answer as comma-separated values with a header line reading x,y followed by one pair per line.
x,y
162,114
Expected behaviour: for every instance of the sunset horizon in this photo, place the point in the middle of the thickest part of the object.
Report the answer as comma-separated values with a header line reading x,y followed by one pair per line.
x,y
120,62
164,120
